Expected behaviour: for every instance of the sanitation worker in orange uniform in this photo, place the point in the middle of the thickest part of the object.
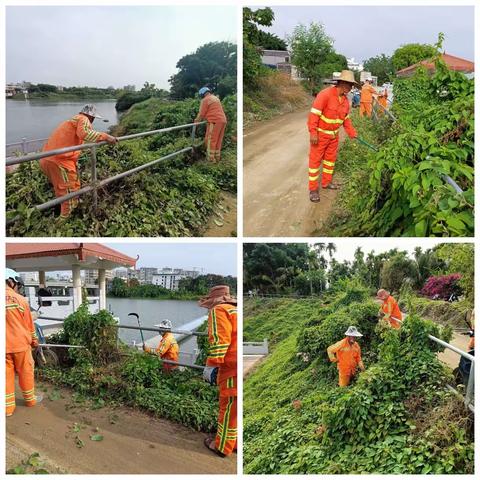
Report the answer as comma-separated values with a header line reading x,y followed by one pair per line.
x,y
221,368
346,353
21,337
383,102
366,98
330,110
211,110
167,348
390,309
61,169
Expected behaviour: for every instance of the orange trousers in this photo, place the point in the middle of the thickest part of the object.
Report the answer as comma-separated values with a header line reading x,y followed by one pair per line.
x,y
326,150
214,139
63,176
21,363
226,438
344,378
366,108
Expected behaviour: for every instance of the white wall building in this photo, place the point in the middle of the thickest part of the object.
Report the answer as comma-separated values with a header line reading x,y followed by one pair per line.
x,y
353,65
169,278
90,277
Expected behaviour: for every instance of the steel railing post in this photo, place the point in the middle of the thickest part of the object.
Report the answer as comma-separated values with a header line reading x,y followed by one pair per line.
x,y
192,137
24,145
93,153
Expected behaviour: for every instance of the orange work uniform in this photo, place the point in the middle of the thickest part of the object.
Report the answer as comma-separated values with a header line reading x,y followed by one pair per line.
x,y
222,336
167,350
20,336
349,358
328,113
383,102
61,170
366,100
392,312
212,111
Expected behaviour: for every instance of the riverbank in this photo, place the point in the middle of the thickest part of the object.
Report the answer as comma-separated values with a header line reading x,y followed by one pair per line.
x,y
56,97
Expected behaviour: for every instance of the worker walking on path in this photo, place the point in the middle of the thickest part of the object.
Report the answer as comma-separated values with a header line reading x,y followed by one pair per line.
x,y
347,354
330,110
389,309
366,98
167,348
61,169
20,338
221,368
211,110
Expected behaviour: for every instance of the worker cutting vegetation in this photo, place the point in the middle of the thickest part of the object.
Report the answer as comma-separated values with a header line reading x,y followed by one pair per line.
x,y
20,338
366,98
167,348
211,110
330,110
383,102
61,169
347,355
389,309
221,365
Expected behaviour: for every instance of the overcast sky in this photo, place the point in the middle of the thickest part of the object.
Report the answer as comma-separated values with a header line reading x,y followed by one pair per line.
x,y
219,258
366,31
103,46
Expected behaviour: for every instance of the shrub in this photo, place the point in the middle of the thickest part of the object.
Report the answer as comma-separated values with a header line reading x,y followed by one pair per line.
x,y
442,287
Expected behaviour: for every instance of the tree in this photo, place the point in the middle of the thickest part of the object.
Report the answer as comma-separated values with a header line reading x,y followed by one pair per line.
x,y
269,41
381,67
410,54
211,65
313,54
396,271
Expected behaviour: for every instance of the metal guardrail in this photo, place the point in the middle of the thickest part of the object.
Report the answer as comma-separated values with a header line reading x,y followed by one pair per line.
x,y
163,330
24,145
95,184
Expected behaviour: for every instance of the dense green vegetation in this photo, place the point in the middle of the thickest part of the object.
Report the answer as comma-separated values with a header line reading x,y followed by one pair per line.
x,y
107,374
174,198
400,190
397,416
188,288
52,92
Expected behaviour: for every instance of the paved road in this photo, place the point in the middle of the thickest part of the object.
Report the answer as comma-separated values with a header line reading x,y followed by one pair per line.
x,y
135,443
275,180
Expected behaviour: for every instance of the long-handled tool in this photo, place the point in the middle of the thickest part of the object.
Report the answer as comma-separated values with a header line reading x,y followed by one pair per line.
x,y
139,326
372,147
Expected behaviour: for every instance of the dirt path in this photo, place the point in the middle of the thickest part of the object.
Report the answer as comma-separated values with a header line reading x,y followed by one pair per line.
x,y
451,358
133,442
223,222
275,182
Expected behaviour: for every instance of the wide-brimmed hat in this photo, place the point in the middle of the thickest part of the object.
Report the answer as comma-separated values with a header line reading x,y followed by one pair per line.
x,y
347,76
353,332
382,292
165,324
90,110
216,295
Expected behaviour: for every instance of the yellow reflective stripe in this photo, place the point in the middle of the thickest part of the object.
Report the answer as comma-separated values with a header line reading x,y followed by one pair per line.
x,y
328,132
10,404
26,392
330,164
331,120
312,179
226,421
220,346
327,170
216,355
313,170
8,395
315,111
347,117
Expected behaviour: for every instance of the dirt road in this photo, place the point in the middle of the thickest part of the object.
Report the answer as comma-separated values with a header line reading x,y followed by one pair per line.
x,y
132,441
275,180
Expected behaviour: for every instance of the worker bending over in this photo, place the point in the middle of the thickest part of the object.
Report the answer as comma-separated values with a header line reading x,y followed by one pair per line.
x,y
330,110
383,102
61,169
211,110
366,98
167,348
20,338
389,309
347,355
221,368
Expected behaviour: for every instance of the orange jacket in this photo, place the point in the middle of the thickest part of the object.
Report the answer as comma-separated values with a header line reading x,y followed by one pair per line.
x,y
222,336
392,311
367,93
329,112
167,348
20,330
349,357
72,132
211,110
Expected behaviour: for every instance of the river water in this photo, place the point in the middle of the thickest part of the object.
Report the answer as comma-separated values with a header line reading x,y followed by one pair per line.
x,y
35,119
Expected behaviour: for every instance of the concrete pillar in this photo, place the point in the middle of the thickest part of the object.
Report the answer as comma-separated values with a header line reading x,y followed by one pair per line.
x,y
42,278
102,285
77,287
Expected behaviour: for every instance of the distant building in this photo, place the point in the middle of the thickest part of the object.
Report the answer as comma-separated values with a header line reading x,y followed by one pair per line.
x,y
453,63
146,275
29,277
169,278
90,277
353,65
280,60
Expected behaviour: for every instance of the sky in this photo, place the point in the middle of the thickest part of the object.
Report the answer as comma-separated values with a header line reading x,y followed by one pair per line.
x,y
366,31
219,258
109,46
